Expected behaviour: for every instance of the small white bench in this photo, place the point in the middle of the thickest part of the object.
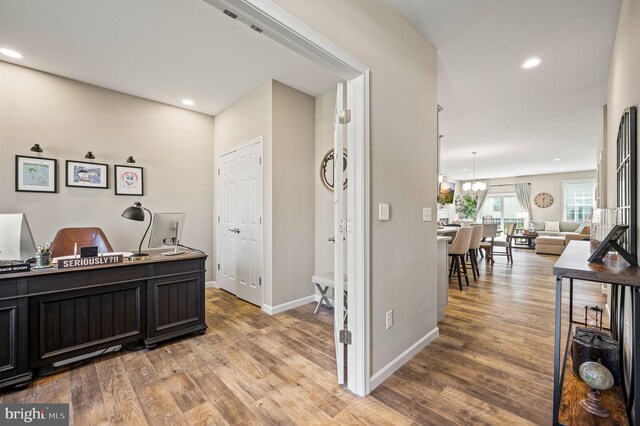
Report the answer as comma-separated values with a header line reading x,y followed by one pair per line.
x,y
323,282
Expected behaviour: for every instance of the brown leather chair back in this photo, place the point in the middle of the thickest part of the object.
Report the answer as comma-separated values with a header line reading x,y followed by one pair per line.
x,y
65,239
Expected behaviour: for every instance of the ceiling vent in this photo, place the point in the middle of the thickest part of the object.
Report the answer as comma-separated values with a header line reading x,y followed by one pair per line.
x,y
255,28
230,14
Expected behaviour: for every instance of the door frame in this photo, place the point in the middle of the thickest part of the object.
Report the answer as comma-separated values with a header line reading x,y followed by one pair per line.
x,y
289,31
256,140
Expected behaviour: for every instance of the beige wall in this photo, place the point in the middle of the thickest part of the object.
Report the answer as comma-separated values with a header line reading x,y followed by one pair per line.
x,y
284,118
403,161
550,183
293,196
68,118
623,91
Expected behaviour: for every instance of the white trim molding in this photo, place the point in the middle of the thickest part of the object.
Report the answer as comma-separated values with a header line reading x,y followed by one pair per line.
x,y
272,310
386,371
289,31
211,284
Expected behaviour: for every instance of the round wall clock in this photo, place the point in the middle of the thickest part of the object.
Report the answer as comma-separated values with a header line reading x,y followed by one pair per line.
x,y
326,169
543,200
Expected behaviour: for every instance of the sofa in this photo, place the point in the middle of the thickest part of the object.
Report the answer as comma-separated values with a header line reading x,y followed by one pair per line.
x,y
555,242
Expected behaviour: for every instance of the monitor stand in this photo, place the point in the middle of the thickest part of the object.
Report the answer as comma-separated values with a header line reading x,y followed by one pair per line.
x,y
175,251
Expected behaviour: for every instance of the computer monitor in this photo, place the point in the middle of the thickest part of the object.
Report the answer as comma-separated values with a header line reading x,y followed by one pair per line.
x,y
16,240
167,231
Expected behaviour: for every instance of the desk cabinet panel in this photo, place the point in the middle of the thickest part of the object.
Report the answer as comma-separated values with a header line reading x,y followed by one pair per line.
x,y
176,305
65,323
13,351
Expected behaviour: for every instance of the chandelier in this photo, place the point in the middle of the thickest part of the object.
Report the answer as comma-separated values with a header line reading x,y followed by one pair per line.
x,y
474,186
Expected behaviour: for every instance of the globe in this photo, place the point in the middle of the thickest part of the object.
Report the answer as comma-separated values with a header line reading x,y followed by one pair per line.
x,y
596,375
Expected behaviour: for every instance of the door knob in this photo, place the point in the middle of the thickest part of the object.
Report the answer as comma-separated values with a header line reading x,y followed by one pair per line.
x,y
236,230
332,239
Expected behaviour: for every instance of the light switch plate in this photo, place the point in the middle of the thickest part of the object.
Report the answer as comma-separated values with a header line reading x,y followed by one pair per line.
x,y
426,214
383,211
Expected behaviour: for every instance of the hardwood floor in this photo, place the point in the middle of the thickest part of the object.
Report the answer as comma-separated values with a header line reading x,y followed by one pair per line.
x,y
492,364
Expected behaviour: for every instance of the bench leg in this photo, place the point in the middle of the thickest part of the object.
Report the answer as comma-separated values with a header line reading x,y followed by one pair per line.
x,y
324,300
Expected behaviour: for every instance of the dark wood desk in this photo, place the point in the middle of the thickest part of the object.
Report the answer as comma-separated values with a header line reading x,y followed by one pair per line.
x,y
53,315
573,264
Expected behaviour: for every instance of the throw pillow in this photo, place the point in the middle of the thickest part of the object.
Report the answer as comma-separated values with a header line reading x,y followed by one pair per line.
x,y
552,226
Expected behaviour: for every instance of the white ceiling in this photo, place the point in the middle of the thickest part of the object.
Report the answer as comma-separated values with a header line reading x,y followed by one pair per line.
x,y
518,120
164,50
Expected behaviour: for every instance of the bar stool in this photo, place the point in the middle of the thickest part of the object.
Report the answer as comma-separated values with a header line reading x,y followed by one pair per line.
x,y
458,249
474,246
488,236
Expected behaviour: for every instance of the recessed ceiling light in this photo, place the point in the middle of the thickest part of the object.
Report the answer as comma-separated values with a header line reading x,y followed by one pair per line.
x,y
464,170
556,159
188,102
531,63
11,53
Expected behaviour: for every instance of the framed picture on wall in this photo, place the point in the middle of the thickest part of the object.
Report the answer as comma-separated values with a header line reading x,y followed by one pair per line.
x,y
87,175
128,180
35,174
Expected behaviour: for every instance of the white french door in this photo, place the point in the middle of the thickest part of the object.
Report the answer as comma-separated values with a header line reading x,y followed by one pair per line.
x,y
239,229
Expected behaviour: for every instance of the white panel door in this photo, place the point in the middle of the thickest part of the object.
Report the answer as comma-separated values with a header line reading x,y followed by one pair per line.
x,y
340,232
249,233
227,223
239,230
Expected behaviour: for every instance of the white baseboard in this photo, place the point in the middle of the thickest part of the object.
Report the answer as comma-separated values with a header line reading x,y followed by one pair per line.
x,y
211,284
272,310
386,371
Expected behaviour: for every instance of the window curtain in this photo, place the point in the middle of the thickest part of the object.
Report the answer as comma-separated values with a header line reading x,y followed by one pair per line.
x,y
523,193
482,197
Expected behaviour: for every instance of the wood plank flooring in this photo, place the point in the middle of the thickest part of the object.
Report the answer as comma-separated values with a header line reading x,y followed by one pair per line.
x,y
492,364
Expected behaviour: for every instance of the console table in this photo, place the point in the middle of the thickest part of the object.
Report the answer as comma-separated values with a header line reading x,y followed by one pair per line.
x,y
573,264
52,315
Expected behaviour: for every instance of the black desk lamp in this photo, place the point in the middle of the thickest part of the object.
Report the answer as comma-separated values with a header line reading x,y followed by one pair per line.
x,y
136,212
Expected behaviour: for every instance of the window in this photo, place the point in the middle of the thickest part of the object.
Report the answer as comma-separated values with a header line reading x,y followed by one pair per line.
x,y
502,209
578,196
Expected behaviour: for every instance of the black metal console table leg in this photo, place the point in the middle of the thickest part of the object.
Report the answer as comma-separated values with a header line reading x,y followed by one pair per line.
x,y
557,386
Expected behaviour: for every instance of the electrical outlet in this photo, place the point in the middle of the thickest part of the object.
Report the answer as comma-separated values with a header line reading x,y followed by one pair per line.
x,y
389,319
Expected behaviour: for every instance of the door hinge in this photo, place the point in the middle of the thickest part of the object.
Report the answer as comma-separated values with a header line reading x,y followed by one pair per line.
x,y
345,337
218,172
260,281
218,266
341,226
260,221
218,219
345,117
260,160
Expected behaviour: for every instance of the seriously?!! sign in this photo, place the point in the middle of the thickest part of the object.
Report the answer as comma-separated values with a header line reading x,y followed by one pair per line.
x,y
89,261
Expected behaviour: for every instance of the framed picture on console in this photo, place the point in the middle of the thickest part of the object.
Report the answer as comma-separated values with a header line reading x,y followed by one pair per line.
x,y
87,175
35,174
128,180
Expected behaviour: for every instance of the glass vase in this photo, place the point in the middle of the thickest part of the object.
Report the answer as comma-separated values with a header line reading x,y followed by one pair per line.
x,y
602,221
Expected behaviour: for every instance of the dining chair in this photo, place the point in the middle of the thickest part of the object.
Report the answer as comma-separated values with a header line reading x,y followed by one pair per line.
x,y
457,250
474,246
489,232
506,243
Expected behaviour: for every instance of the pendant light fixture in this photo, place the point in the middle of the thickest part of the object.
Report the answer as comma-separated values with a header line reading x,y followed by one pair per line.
x,y
474,186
